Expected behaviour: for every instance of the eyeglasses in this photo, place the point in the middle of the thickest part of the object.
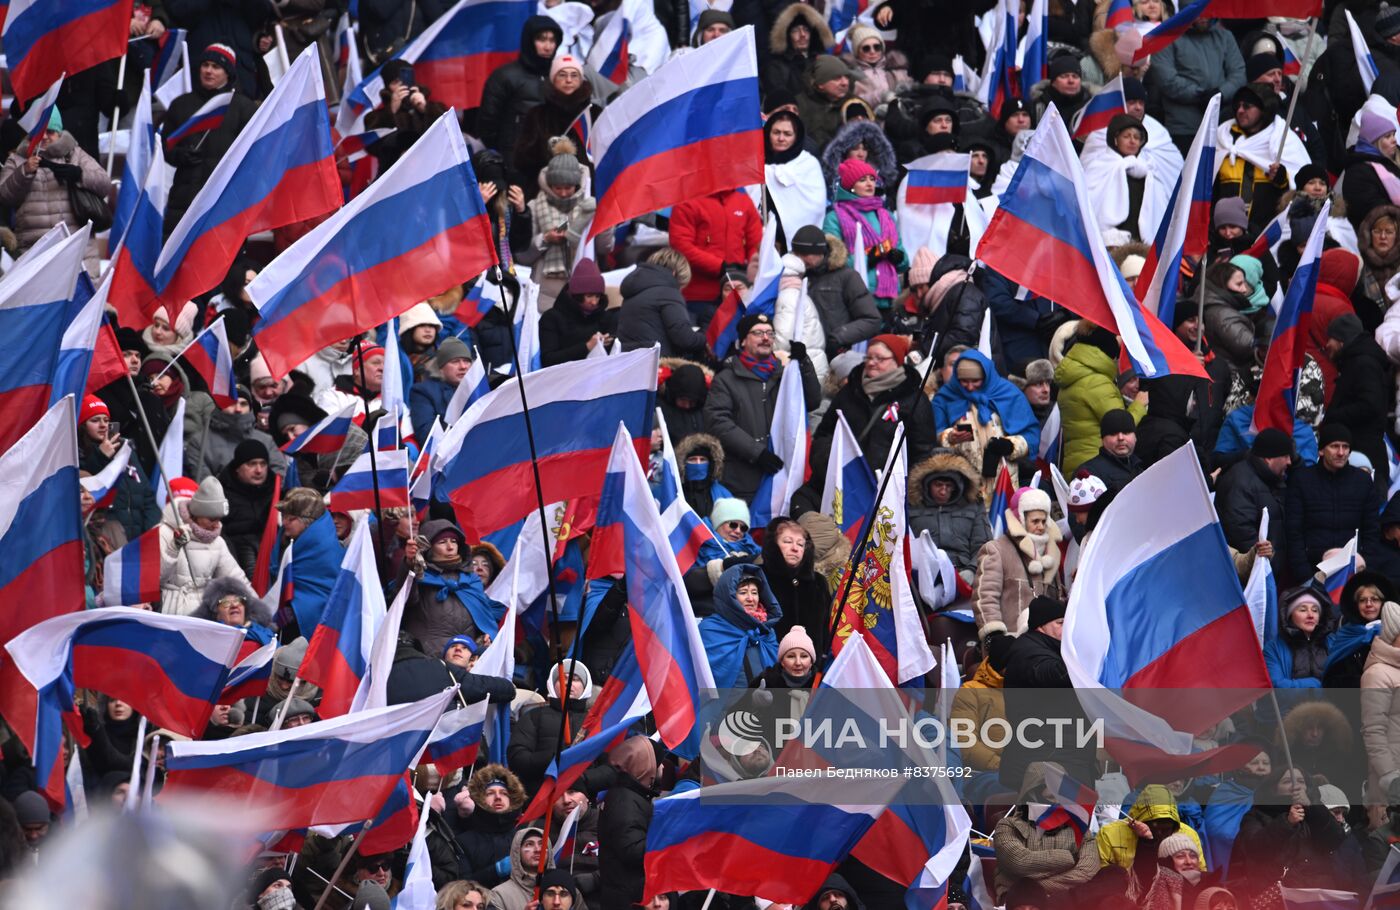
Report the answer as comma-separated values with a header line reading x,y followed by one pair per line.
x,y
877,358
867,48
761,333
231,602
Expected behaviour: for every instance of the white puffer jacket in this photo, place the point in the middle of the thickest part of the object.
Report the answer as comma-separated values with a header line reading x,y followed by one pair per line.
x,y
183,575
785,312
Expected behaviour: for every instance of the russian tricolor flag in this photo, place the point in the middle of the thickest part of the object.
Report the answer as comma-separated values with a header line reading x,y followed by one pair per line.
x,y
131,575
211,357
168,57
1035,48
472,388
350,273
455,54
568,835
326,437
457,738
278,171
209,116
850,490
349,118
1120,12
88,354
609,55
1002,492
1071,802
943,179
1277,398
667,636
695,129
102,486
1177,25
44,39
722,333
1106,104
1291,65
582,128
134,259
1274,233
249,677
356,488
998,77
485,461
35,120
1185,227
357,145
323,773
1127,628
571,763
1338,570
1044,236
338,655
1365,63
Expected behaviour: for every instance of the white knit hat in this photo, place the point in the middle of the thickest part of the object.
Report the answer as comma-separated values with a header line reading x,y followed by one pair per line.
x,y
1033,500
416,315
1174,844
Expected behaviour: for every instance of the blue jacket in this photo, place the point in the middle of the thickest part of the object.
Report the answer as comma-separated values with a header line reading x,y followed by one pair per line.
x,y
716,549
1016,320
738,646
426,400
1235,436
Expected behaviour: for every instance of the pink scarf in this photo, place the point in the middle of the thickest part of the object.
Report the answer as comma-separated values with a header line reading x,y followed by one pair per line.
x,y
848,208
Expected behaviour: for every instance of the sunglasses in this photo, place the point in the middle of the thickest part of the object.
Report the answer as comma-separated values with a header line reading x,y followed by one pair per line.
x,y
375,865
739,525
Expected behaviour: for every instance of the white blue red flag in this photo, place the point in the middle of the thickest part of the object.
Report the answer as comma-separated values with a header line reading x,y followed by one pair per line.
x,y
134,259
44,39
327,436
609,55
210,355
1337,570
349,274
572,762
88,354
1365,63
1044,237
249,677
1277,400
1120,632
170,455
1035,48
1002,492
356,489
1176,26
850,489
102,486
472,388
691,128
338,655
787,439
169,56
136,163
1120,12
457,738
357,145
941,177
131,574
1107,103
722,332
208,118
417,892
998,82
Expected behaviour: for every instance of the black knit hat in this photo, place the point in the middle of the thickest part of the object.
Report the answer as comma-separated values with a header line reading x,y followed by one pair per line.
x,y
1329,433
1133,89
748,322
1388,21
1260,64
1104,340
810,239
246,451
1345,328
1308,172
1064,63
1118,420
1272,443
1043,610
131,340
221,55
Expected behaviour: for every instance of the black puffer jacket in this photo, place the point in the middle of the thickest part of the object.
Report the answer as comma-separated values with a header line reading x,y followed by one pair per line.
x,y
1384,556
1362,190
867,418
622,842
1324,509
195,159
515,88
1361,397
801,592
533,736
1242,495
1184,409
957,318
653,312
248,507
565,330
1035,675
1115,472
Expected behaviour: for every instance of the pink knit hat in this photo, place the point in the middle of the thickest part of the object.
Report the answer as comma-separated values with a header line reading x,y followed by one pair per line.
x,y
797,637
921,272
853,169
565,62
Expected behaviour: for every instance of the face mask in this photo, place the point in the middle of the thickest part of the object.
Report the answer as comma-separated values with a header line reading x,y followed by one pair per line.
x,y
695,472
278,899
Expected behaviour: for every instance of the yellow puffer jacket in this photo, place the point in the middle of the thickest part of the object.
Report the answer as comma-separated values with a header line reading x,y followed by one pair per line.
x,y
1117,840
980,699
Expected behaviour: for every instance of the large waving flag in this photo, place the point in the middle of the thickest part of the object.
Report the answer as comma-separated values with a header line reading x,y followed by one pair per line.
x,y
775,836
210,355
279,170
325,773
787,438
46,38
349,274
998,78
36,298
1185,227
1035,48
1274,406
88,354
484,458
131,575
1121,632
572,762
850,489
667,636
41,549
337,657
685,530
1120,12
208,118
1365,63
1177,25
454,55
880,601
134,259
1044,236
169,668
1107,103
691,128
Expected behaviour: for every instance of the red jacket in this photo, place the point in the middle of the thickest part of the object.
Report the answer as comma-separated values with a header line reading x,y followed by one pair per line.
x,y
710,231
1337,274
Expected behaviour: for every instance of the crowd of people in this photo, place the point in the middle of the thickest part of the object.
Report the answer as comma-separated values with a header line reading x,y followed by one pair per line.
x,y
906,340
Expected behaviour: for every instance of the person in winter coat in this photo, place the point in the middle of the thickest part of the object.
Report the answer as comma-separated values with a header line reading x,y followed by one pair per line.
x,y
1184,409
879,395
230,601
1377,241
580,319
1022,326
835,889
1384,555
1128,189
1056,859
1087,378
517,892
842,299
1297,657
717,234
1349,647
794,187
1337,274
493,798
955,307
792,300
798,36
1016,567
1230,329
880,72
701,460
534,734
567,95
653,310
213,434
429,397
865,141
984,418
405,108
739,409
192,550
37,187
1380,706
738,637
195,158
247,481
787,561
858,206
825,91
1064,88
1328,503
1371,167
134,504
980,700
681,397
512,90
1152,818
561,213
630,780
1186,73
450,599
1116,464
945,499
1253,486
1362,396
1290,838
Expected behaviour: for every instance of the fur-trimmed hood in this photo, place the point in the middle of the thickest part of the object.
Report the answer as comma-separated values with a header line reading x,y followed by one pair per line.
x,y
945,463
711,445
1389,262
674,363
483,776
881,156
1336,730
837,256
778,34
1102,47
218,588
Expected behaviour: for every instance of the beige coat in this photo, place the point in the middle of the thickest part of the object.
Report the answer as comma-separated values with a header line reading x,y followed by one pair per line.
x,y
1005,584
40,200
1380,716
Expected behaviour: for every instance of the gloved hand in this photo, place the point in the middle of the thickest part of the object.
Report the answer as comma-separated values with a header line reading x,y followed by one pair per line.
x,y
1000,446
66,173
185,155
990,463
502,867
1204,96
769,463
181,537
797,350
896,257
